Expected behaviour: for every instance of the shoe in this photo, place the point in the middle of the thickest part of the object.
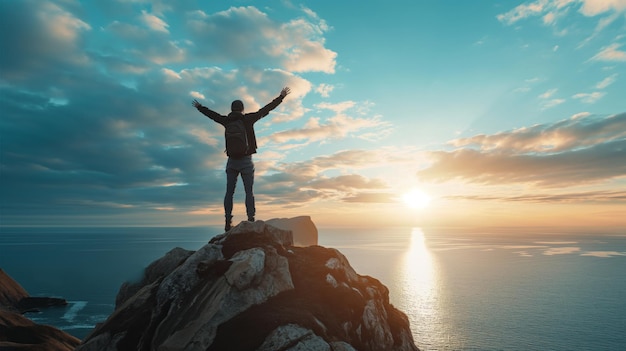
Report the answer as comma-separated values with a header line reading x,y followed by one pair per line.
x,y
250,219
228,225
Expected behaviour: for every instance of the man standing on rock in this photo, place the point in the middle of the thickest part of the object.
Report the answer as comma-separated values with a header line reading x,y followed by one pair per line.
x,y
240,145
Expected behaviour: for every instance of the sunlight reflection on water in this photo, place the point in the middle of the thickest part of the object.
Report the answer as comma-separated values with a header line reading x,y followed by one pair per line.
x,y
419,286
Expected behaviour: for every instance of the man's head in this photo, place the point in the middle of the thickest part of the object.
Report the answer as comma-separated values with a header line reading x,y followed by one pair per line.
x,y
237,106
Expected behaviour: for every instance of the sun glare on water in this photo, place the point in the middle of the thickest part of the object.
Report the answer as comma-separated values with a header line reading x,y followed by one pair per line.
x,y
416,199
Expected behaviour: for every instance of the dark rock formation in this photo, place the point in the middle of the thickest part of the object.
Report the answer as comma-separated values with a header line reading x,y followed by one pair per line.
x,y
251,289
14,298
156,270
20,333
11,292
33,304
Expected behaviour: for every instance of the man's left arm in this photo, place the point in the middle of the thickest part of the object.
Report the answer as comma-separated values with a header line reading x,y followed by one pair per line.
x,y
265,110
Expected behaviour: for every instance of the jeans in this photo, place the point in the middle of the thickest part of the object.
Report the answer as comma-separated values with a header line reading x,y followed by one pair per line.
x,y
234,167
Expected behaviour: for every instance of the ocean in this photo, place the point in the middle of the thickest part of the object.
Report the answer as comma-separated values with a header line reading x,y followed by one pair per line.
x,y
462,289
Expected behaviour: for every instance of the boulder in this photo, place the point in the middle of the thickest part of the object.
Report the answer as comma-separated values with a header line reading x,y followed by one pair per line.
x,y
251,289
156,270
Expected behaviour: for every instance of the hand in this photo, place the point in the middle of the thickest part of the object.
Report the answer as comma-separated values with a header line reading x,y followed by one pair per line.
x,y
285,91
196,104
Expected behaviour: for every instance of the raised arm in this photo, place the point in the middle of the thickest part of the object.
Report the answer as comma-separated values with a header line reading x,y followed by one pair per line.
x,y
208,112
272,105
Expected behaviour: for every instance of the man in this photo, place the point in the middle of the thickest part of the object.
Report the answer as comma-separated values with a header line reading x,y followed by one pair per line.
x,y
241,164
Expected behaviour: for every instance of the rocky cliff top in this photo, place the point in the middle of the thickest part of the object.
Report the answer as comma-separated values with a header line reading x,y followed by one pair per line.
x,y
252,289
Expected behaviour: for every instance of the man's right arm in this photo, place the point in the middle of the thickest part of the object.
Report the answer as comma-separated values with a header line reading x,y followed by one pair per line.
x,y
208,112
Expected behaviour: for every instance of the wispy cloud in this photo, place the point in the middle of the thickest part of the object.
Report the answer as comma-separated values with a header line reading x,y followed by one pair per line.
x,y
548,94
548,10
607,81
153,22
574,151
596,7
566,250
611,53
324,89
603,254
341,125
551,13
551,198
589,98
548,101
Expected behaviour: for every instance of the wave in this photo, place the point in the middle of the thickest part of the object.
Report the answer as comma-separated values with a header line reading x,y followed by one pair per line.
x,y
71,313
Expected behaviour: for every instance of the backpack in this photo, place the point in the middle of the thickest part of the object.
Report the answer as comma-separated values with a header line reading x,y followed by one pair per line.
x,y
236,139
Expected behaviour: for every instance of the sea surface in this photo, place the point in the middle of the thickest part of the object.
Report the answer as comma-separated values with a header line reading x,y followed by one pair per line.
x,y
462,289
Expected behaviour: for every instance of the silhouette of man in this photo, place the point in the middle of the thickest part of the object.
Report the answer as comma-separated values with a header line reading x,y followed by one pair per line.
x,y
242,165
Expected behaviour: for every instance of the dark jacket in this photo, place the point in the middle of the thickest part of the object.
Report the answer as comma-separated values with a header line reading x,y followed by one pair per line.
x,y
248,119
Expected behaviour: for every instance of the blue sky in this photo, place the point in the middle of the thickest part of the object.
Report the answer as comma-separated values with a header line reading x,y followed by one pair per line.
x,y
503,112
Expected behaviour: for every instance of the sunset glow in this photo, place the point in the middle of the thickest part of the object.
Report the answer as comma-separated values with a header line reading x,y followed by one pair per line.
x,y
416,199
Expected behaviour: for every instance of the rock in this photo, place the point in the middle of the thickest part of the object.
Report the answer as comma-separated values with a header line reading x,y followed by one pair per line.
x,y
303,229
20,333
293,337
13,297
33,304
156,270
11,292
251,289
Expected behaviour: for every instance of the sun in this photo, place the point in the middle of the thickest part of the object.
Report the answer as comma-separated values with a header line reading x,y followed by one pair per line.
x,y
416,199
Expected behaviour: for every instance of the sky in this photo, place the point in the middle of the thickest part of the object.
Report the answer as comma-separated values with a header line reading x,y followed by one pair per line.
x,y
424,113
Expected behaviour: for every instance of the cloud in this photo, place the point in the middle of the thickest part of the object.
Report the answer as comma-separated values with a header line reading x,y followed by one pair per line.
x,y
347,182
523,11
603,254
548,102
607,81
589,98
552,103
573,151
340,125
596,7
245,35
611,54
579,197
377,198
548,94
37,35
299,183
140,44
566,250
552,11
578,132
153,22
324,90
549,9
